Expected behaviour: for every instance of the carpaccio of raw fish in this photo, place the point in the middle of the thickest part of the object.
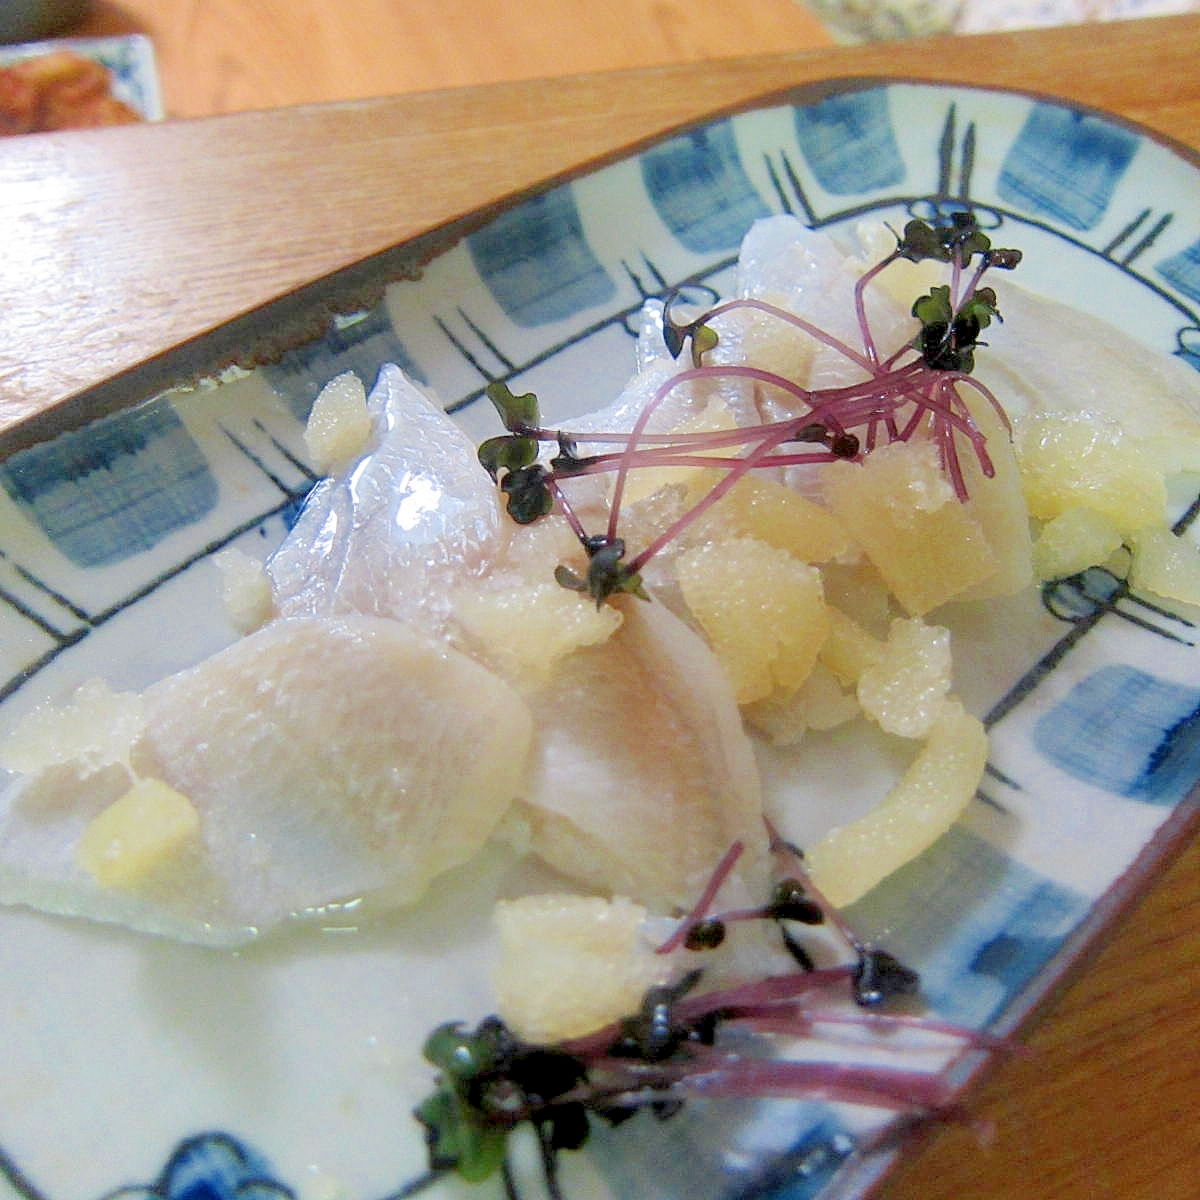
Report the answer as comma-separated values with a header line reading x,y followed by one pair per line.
x,y
376,732
348,748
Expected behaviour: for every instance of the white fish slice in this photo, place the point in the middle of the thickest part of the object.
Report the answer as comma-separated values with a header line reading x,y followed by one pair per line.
x,y
326,758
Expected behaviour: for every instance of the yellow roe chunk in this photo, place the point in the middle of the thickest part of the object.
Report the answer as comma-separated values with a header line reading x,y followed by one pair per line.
x,y
762,611
1165,564
772,513
905,689
1076,539
245,589
518,619
339,425
923,804
137,834
572,964
850,649
525,630
997,502
819,703
900,508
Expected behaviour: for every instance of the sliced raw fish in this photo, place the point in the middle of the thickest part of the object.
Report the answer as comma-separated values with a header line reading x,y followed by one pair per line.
x,y
1046,357
642,775
787,264
327,758
394,531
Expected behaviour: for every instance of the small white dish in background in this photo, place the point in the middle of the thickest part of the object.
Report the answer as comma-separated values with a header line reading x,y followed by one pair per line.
x,y
128,59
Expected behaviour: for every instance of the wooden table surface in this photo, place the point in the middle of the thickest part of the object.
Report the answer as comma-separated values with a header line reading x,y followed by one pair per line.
x,y
119,245
222,56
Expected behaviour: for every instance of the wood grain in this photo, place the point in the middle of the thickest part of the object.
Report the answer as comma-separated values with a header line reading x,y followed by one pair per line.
x,y
221,56
118,246
1103,1103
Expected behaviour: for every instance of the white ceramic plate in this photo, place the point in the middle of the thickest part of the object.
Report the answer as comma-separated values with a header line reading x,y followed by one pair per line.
x,y
292,1066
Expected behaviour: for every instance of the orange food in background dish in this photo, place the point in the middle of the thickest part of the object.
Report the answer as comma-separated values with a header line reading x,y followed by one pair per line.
x,y
60,90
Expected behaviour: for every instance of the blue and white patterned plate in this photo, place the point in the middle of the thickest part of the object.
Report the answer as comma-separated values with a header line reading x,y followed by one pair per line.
x,y
292,1066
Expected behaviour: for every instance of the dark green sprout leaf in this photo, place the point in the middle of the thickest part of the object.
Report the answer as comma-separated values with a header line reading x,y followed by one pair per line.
x,y
458,1138
706,935
964,237
606,574
571,580
674,337
814,431
949,347
1004,260
439,1113
704,338
981,307
920,241
971,244
948,339
462,1055
519,413
529,494
934,307
676,333
790,902
961,239
509,452
567,460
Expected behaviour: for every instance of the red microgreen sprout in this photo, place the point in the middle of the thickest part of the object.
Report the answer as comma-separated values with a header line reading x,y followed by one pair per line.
x,y
916,390
606,575
673,1048
676,334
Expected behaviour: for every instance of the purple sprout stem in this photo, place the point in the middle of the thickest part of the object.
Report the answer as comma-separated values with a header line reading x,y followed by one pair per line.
x,y
889,363
852,1083
871,393
791,1018
860,307
796,861
692,1008
973,283
663,451
901,388
704,903
948,453
757,457
920,412
989,396
956,270
850,406
768,990
958,416
666,440
635,433
721,372
930,400
656,459
814,331
568,511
